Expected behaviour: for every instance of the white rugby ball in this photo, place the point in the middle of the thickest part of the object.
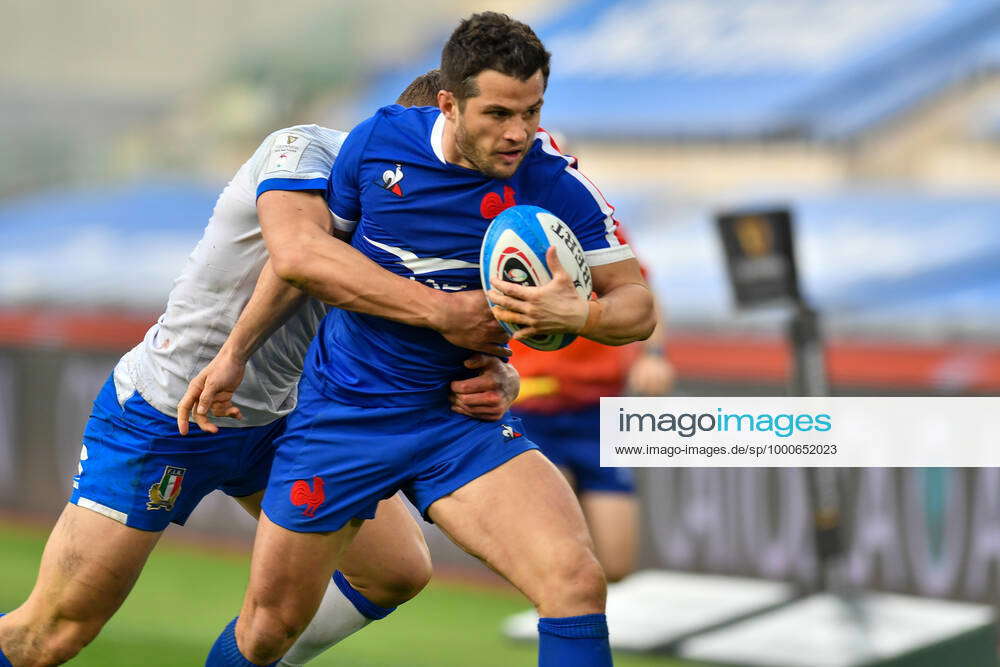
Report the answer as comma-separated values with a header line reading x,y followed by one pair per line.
x,y
514,250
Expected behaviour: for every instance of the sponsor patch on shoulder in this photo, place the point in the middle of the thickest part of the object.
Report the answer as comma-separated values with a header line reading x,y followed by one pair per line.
x,y
285,153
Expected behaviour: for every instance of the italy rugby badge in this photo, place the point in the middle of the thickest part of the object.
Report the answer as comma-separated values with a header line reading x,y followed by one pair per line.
x,y
163,494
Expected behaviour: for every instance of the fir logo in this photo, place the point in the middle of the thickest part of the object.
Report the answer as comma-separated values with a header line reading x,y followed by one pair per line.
x,y
390,180
163,494
508,432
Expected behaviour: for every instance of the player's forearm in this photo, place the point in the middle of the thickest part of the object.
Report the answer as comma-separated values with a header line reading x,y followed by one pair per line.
x,y
657,340
296,227
337,274
622,315
273,301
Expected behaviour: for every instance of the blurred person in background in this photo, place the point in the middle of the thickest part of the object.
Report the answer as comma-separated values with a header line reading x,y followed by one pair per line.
x,y
560,403
137,474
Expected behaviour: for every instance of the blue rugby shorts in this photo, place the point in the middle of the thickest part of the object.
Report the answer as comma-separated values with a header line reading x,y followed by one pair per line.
x,y
138,470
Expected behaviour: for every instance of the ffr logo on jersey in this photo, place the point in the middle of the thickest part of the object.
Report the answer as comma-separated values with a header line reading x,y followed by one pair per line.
x,y
390,180
493,205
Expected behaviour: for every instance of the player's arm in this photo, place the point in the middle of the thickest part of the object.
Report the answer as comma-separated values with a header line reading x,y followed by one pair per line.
x,y
296,230
622,313
487,396
652,374
211,391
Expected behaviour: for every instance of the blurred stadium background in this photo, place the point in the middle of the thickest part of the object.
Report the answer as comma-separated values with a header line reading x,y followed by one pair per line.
x,y
876,123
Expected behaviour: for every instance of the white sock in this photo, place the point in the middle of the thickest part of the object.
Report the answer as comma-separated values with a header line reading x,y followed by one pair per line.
x,y
335,619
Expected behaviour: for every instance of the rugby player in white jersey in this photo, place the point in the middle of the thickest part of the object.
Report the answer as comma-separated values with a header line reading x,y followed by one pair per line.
x,y
137,474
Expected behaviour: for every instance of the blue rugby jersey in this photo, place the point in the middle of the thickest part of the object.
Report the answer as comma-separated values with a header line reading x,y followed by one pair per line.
x,y
418,216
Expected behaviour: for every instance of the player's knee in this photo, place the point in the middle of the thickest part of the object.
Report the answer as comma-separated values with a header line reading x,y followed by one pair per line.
x,y
575,584
394,586
402,586
397,580
268,633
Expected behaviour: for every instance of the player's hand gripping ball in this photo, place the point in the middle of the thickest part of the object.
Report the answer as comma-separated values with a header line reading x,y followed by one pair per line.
x,y
514,250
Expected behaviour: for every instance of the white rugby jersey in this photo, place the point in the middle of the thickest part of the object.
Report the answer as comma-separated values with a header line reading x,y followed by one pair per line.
x,y
218,280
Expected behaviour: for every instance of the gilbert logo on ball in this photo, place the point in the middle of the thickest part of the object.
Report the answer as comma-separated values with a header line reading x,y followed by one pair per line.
x,y
514,250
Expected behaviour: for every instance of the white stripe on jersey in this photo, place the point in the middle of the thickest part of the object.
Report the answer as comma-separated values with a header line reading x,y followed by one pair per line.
x,y
437,138
422,264
603,256
607,209
343,224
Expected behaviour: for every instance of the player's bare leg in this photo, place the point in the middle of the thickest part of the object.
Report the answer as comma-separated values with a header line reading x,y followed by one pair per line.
x,y
289,572
388,563
89,565
523,521
614,525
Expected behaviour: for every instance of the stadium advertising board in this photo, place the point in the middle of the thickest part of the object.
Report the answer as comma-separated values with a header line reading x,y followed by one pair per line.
x,y
760,256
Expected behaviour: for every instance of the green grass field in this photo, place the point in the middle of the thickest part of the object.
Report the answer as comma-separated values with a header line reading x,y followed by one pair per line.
x,y
186,595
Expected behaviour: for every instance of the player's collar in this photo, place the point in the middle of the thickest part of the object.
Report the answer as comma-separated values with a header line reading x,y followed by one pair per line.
x,y
437,136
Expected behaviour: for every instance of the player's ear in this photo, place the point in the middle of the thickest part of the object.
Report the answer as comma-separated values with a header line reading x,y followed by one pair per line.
x,y
447,104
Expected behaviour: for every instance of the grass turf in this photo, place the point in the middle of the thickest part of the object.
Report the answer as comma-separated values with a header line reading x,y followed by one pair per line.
x,y
186,595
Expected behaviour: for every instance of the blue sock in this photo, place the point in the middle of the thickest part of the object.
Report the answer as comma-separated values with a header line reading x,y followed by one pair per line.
x,y
225,652
4,662
365,607
581,641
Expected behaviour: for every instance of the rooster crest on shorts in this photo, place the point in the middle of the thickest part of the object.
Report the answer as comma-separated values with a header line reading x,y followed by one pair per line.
x,y
163,494
312,498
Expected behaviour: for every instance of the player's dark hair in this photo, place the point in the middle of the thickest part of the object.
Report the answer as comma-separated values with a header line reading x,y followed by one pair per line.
x,y
489,40
422,91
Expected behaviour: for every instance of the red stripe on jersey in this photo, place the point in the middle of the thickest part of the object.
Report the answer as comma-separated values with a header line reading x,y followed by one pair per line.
x,y
545,137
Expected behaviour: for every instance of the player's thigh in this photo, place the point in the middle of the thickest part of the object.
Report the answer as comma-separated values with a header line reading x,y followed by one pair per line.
x,y
290,570
388,556
89,565
614,525
517,518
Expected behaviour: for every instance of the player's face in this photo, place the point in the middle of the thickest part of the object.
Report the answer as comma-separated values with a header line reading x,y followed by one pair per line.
x,y
495,129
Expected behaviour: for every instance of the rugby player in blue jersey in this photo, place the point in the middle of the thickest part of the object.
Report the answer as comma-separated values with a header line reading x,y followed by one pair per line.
x,y
418,188
137,474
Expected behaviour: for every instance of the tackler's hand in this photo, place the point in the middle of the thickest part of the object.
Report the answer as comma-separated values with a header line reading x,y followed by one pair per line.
x,y
211,390
466,321
488,395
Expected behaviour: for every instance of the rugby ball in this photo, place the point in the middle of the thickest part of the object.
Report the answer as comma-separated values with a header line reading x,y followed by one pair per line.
x,y
514,250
